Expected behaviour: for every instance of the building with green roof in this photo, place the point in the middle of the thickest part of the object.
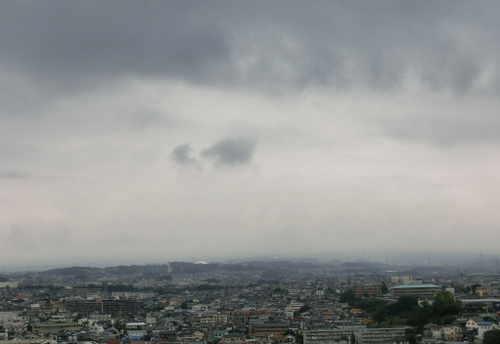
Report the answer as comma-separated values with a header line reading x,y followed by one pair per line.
x,y
422,290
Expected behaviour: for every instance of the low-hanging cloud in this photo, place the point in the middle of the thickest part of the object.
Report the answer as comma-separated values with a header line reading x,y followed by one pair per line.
x,y
182,154
228,151
231,151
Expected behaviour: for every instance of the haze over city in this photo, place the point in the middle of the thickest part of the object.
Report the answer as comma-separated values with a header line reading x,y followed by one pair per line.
x,y
147,131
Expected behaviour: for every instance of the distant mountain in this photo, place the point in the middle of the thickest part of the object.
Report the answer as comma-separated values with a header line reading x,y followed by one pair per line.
x,y
273,268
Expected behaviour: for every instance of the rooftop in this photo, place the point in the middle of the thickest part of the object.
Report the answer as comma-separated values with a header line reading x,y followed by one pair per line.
x,y
411,286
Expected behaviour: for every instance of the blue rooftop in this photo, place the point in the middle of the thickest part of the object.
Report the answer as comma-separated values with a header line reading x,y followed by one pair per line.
x,y
485,323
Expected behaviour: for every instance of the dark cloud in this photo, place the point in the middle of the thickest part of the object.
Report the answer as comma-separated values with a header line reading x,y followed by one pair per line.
x,y
231,151
53,47
271,45
82,45
182,154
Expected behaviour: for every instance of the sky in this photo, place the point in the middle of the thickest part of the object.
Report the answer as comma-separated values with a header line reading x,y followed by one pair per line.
x,y
153,131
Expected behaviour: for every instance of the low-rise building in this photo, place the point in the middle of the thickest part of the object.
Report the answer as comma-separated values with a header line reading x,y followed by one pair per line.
x,y
367,290
423,290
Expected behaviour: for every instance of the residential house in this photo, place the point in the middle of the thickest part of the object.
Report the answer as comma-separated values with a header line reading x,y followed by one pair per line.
x,y
485,326
472,323
233,338
452,333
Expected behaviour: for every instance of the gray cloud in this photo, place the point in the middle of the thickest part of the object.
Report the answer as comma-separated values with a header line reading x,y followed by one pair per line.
x,y
78,46
14,175
231,151
445,129
253,44
182,154
30,236
56,47
390,106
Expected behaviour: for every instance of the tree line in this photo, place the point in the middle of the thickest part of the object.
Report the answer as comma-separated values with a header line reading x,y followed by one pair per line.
x,y
406,310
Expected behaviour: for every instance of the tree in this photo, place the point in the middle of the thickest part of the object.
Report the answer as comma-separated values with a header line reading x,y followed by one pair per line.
x,y
474,287
404,304
371,305
384,288
347,296
420,316
304,308
397,312
445,304
411,335
488,318
491,337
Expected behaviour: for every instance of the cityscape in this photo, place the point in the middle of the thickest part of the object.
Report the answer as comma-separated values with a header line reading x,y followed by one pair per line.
x,y
254,302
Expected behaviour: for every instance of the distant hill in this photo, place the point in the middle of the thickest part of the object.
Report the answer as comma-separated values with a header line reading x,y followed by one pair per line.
x,y
268,269
73,271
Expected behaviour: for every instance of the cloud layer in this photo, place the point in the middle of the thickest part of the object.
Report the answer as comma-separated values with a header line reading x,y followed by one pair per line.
x,y
339,44
310,125
231,151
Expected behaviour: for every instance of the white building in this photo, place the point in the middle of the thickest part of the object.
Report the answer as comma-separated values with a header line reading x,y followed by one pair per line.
x,y
485,326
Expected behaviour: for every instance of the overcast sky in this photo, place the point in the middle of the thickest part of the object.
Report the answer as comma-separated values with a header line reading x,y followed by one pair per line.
x,y
152,131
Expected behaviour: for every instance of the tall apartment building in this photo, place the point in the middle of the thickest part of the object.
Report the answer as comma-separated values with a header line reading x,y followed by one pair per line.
x,y
422,290
370,290
325,336
380,335
362,335
343,333
74,292
268,328
102,306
